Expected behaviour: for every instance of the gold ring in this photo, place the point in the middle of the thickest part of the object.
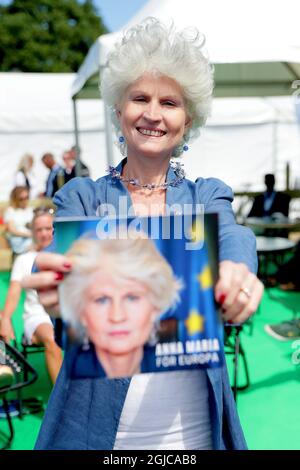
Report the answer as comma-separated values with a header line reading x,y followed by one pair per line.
x,y
246,291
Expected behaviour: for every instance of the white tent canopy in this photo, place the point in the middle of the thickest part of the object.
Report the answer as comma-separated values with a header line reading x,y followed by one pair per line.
x,y
36,117
237,145
255,45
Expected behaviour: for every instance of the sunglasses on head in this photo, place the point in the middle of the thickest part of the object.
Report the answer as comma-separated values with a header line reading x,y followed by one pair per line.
x,y
43,210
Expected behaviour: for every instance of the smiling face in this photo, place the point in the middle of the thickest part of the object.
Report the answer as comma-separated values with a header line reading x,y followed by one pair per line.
x,y
118,317
152,116
42,230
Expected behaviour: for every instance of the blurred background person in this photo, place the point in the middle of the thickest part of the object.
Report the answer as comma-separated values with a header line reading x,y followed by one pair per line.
x,y
38,328
69,170
83,170
18,217
53,167
66,172
25,176
271,201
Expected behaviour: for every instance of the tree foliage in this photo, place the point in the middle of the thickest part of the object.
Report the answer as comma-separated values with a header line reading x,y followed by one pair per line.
x,y
47,35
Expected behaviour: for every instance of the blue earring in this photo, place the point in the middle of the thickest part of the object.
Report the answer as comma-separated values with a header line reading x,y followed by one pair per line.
x,y
121,139
185,147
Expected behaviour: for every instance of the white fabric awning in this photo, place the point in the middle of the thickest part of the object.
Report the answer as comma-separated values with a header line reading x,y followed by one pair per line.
x,y
255,45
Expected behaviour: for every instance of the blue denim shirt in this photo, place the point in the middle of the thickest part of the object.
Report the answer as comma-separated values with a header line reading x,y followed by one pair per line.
x,y
84,414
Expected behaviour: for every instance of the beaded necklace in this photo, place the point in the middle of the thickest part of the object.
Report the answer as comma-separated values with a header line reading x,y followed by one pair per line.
x,y
176,166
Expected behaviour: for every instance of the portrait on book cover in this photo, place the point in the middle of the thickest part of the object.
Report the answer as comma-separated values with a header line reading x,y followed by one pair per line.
x,y
134,305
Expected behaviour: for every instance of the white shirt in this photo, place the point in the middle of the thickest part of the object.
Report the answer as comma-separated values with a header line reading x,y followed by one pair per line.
x,y
20,217
166,411
20,180
22,267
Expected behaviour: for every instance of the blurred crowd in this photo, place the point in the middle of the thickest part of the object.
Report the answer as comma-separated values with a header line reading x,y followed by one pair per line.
x,y
17,217
26,227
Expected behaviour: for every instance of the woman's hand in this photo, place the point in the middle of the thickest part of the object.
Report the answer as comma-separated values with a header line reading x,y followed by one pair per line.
x,y
52,268
238,291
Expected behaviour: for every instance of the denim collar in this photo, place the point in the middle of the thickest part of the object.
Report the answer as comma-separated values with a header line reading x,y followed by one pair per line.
x,y
176,196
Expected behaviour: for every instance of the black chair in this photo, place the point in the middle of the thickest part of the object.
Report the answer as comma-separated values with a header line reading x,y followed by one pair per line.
x,y
27,348
233,346
11,357
33,405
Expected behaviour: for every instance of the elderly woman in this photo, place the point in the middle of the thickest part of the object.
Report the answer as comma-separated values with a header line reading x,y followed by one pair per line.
x,y
158,84
110,299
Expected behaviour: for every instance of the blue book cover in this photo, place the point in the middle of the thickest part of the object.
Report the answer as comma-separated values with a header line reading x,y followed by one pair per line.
x,y
140,296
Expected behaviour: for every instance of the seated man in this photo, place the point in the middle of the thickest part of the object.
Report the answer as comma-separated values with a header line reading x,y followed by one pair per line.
x,y
271,201
38,328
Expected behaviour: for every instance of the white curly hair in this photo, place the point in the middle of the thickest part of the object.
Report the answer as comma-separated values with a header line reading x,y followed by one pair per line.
x,y
152,47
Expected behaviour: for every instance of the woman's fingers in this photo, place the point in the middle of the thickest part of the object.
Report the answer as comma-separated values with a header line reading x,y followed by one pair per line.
x,y
42,280
238,291
241,277
52,269
50,301
45,283
48,298
233,305
225,281
252,304
53,262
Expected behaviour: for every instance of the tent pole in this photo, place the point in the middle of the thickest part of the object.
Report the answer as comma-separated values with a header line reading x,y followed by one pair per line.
x,y
108,136
76,132
274,135
275,145
108,132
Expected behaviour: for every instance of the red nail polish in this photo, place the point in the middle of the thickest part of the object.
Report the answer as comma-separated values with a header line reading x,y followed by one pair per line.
x,y
59,276
230,322
67,265
222,298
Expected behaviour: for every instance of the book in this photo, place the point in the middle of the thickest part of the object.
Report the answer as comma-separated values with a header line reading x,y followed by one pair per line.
x,y
140,296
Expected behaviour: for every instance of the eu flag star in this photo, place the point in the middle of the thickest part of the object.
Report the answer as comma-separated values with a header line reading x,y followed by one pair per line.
x,y
194,323
205,278
197,231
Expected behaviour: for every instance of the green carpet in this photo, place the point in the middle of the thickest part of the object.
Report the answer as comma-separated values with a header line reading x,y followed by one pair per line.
x,y
27,428
269,409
